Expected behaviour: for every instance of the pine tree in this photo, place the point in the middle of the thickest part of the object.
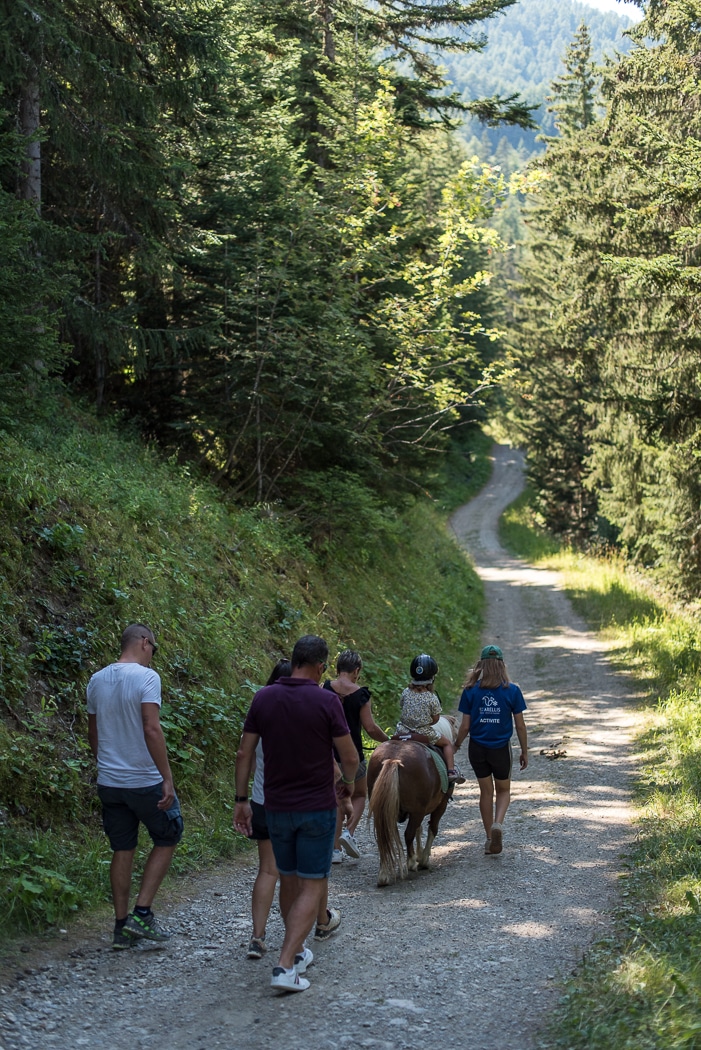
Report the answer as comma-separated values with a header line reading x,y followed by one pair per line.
x,y
557,321
648,439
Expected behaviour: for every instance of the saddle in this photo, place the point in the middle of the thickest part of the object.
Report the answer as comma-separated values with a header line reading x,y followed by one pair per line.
x,y
434,751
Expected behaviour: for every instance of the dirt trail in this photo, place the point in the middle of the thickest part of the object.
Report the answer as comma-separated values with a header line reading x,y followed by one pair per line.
x,y
473,950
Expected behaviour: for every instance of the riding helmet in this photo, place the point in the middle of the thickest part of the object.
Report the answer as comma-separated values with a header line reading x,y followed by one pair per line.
x,y
423,668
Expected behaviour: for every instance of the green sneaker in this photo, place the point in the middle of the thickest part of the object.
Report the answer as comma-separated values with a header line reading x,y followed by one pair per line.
x,y
145,927
122,938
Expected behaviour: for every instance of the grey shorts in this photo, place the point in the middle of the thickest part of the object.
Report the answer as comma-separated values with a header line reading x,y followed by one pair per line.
x,y
123,809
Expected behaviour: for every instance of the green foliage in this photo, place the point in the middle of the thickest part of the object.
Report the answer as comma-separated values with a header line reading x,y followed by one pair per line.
x,y
604,324
30,293
227,589
523,531
465,469
277,295
39,895
555,310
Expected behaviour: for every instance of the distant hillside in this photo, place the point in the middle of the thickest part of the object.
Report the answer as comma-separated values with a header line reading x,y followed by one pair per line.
x,y
524,54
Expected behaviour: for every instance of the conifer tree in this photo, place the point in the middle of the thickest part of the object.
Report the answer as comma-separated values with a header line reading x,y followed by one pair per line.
x,y
557,324
648,440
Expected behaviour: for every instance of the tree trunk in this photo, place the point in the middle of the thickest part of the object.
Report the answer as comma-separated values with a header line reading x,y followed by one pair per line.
x,y
30,123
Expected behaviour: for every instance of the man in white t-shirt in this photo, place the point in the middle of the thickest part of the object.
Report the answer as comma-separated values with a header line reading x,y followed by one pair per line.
x,y
134,781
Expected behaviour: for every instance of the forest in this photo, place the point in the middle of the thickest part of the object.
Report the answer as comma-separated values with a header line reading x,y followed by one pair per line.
x,y
251,230
251,233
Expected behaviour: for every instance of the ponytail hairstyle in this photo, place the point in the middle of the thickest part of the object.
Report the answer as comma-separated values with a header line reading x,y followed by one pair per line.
x,y
282,669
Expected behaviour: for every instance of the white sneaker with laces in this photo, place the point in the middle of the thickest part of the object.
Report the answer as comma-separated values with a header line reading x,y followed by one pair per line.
x,y
303,960
349,844
288,980
337,856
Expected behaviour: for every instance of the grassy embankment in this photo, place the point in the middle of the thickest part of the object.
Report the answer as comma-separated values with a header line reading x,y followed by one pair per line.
x,y
642,987
97,531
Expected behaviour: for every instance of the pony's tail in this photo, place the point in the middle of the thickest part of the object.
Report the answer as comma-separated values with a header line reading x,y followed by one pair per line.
x,y
384,809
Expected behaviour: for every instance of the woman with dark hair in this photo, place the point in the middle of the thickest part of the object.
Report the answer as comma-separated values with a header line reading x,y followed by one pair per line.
x,y
490,705
266,879
357,708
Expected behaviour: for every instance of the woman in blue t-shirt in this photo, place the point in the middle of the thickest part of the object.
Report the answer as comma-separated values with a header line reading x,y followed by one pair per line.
x,y
490,706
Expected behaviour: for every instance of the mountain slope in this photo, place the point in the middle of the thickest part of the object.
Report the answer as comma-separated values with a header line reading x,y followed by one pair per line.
x,y
524,54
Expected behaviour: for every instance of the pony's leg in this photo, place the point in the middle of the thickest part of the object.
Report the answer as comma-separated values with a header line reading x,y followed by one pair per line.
x,y
425,854
413,825
418,837
433,823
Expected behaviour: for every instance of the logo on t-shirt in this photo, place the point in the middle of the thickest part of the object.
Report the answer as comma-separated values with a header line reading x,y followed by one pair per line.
x,y
489,709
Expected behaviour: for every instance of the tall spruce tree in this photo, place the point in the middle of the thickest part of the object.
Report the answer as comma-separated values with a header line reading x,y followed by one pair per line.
x,y
557,322
648,440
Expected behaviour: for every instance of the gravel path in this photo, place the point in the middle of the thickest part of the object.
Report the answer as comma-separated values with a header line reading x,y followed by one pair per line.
x,y
474,950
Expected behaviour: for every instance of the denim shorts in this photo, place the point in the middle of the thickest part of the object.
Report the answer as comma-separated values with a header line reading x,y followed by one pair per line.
x,y
303,842
124,808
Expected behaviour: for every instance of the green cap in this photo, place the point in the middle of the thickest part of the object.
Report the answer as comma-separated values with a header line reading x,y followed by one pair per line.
x,y
491,652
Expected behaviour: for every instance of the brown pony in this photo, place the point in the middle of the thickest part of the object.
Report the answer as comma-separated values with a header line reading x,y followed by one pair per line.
x,y
403,784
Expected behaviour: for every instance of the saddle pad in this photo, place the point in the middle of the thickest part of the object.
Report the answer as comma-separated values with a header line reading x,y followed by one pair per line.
x,y
440,766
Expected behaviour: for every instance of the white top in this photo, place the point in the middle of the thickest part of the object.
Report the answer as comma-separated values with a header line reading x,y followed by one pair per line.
x,y
115,695
257,789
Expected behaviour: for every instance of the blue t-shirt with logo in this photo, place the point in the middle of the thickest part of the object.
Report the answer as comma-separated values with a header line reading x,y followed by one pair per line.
x,y
491,713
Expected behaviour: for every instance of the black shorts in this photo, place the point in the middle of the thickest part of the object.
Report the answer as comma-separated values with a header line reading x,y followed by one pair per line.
x,y
490,761
124,808
259,828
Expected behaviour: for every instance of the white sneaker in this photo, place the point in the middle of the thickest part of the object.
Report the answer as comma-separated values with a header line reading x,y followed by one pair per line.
x,y
325,930
303,960
288,980
349,844
337,856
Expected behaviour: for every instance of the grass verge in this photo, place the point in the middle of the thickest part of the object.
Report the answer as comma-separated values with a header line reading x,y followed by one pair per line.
x,y
641,987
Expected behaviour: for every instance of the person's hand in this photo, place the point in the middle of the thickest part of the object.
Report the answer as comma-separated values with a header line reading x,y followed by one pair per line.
x,y
523,760
243,819
168,797
343,798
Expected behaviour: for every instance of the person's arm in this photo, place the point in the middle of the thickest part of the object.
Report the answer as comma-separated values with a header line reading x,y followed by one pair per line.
x,y
156,744
92,734
463,730
370,725
522,734
245,757
348,759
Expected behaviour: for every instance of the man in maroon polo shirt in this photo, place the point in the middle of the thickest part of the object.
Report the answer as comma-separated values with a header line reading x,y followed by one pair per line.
x,y
299,724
